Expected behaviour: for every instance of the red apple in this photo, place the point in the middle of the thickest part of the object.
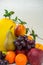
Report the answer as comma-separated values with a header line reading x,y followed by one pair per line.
x,y
35,56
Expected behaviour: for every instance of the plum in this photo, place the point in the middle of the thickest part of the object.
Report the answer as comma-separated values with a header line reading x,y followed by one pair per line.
x,y
35,56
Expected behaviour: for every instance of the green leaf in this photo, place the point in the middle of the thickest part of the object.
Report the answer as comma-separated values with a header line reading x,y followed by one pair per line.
x,y
33,31
27,29
36,35
5,15
16,18
22,22
6,11
8,14
33,34
13,19
11,12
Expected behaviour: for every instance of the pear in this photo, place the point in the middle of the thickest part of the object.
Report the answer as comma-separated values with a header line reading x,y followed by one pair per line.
x,y
9,45
4,52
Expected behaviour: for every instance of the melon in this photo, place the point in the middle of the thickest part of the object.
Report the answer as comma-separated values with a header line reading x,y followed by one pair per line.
x,y
5,24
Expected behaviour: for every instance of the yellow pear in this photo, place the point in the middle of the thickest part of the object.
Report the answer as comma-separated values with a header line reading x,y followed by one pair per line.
x,y
9,45
5,24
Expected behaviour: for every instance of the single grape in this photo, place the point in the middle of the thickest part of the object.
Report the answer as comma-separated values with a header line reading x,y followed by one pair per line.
x,y
6,62
0,60
20,38
19,47
28,47
0,54
30,42
3,56
33,46
2,63
24,36
16,43
23,43
26,39
33,41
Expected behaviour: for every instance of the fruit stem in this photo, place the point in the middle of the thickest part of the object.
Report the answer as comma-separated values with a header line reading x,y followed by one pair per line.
x,y
33,34
9,17
27,29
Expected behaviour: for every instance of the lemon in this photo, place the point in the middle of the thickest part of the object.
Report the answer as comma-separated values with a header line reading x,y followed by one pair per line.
x,y
5,24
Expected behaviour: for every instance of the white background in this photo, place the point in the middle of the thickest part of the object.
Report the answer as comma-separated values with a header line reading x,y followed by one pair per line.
x,y
30,11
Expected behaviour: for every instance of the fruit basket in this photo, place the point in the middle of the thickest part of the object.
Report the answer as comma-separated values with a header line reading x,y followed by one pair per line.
x,y
18,44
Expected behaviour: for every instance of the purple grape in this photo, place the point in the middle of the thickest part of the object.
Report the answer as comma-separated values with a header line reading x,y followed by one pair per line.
x,y
24,36
33,45
31,42
3,56
16,42
6,62
28,47
26,39
20,38
19,47
2,63
23,43
0,54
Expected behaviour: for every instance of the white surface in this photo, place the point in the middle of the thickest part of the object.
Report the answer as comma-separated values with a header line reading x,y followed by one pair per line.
x,y
28,10
27,64
12,64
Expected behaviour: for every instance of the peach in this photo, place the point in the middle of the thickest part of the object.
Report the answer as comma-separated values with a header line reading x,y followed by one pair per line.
x,y
20,30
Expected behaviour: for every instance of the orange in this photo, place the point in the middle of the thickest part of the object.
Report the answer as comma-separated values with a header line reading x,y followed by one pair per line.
x,y
20,30
21,59
37,45
30,37
41,47
10,56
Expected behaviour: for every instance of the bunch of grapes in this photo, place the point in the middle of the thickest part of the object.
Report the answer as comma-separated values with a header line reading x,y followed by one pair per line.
x,y
23,43
2,59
